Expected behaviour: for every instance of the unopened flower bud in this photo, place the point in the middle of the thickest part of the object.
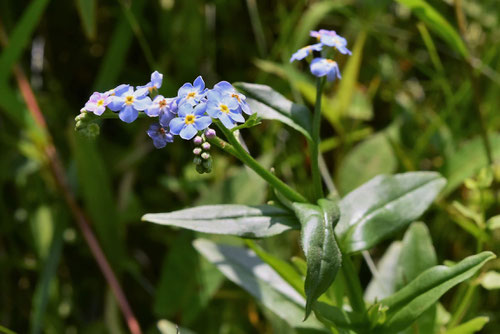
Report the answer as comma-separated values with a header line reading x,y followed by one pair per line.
x,y
205,155
197,151
197,160
207,164
200,169
210,133
197,140
205,146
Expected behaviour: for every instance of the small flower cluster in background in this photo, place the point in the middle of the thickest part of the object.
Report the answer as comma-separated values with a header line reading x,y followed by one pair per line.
x,y
187,115
323,66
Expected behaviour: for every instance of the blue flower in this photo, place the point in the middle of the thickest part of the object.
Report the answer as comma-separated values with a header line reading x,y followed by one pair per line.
x,y
155,83
226,89
190,120
305,51
164,108
160,135
321,67
332,39
192,93
225,108
98,102
129,103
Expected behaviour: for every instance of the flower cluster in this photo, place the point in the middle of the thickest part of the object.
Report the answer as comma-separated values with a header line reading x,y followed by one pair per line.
x,y
322,66
186,115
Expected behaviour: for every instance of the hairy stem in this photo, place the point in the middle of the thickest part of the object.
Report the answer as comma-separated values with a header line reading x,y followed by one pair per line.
x,y
354,289
314,146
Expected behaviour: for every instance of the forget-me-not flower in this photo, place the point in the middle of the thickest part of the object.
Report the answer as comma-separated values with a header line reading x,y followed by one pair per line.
x,y
98,102
192,93
155,83
225,108
190,121
321,67
306,51
164,108
332,39
160,135
129,103
226,89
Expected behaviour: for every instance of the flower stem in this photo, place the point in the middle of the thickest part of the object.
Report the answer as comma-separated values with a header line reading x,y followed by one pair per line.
x,y
234,148
314,146
354,290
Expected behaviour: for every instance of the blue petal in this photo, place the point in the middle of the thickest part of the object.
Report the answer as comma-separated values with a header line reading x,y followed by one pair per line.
x,y
246,108
319,67
200,109
202,122
185,90
166,117
185,109
128,114
176,125
224,87
121,89
141,92
199,84
153,110
237,117
156,79
213,96
142,103
188,132
227,121
213,109
116,103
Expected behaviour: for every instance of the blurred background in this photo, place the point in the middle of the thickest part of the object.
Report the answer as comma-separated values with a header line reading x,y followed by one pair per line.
x,y
419,92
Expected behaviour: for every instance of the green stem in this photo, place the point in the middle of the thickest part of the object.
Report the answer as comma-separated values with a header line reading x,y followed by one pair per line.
x,y
239,152
314,146
354,289
462,307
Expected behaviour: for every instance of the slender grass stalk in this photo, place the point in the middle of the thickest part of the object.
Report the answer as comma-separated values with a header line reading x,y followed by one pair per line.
x,y
353,285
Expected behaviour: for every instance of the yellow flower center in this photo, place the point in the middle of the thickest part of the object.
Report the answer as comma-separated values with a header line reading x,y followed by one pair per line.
x,y
129,100
224,108
163,103
100,102
189,119
237,97
191,95
331,61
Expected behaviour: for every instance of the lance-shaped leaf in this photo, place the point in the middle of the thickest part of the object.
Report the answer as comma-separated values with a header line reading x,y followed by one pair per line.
x,y
384,205
244,268
271,105
260,221
320,247
406,305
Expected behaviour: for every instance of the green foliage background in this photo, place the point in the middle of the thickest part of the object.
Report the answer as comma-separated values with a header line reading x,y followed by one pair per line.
x,y
408,101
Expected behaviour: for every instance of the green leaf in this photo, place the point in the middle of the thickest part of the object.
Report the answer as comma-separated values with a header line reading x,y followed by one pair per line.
x,y
491,280
406,305
245,269
167,327
20,37
87,12
271,105
471,326
383,206
467,160
369,158
437,23
260,221
283,268
493,223
320,247
383,284
417,254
